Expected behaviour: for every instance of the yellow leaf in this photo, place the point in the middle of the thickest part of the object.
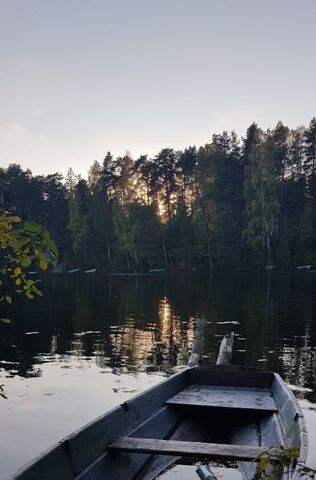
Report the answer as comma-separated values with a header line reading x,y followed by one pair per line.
x,y
264,463
18,281
43,265
17,271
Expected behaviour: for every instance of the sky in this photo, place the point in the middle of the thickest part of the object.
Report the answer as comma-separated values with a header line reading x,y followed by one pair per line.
x,y
81,77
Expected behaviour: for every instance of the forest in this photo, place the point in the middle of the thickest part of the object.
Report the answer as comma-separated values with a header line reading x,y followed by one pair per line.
x,y
232,203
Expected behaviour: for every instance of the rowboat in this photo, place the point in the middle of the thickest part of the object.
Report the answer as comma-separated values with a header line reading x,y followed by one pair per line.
x,y
215,414
92,270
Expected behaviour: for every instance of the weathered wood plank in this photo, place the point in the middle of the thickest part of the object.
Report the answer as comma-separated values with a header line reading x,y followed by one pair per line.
x,y
225,397
233,378
190,449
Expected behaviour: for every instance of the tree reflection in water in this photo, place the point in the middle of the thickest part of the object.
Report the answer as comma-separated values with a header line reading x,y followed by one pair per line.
x,y
146,323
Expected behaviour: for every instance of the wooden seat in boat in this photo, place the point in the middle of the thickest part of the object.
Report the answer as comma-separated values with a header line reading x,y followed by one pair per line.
x,y
213,451
247,398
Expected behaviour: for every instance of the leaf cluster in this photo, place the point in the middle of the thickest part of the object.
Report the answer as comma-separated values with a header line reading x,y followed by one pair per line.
x,y
271,466
21,247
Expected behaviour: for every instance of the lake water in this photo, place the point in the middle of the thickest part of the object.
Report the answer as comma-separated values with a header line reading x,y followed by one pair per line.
x,y
95,340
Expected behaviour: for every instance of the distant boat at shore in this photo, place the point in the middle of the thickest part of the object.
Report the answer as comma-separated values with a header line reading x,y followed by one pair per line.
x,y
156,270
93,270
75,270
304,267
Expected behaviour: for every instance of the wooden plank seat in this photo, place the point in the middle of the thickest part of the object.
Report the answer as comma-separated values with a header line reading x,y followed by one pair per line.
x,y
246,398
213,451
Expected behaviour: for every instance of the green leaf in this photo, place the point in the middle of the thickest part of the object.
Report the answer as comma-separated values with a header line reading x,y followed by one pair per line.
x,y
45,236
37,291
32,227
8,299
21,243
26,261
5,320
52,246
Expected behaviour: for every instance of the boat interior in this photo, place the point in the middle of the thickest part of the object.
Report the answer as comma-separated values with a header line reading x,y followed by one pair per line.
x,y
206,415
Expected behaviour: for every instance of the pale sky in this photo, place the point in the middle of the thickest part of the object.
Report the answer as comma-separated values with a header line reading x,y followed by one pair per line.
x,y
80,77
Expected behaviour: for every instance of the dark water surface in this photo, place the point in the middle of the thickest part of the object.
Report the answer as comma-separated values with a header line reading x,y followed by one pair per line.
x,y
95,340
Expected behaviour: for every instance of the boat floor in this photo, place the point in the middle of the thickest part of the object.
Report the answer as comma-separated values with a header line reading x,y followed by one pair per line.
x,y
201,434
184,471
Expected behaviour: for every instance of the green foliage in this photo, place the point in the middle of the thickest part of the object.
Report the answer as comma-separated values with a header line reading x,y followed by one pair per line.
x,y
262,205
22,246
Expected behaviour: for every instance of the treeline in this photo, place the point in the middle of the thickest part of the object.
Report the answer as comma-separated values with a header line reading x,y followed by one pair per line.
x,y
229,203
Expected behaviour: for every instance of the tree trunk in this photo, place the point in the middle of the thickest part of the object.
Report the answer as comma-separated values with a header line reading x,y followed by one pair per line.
x,y
135,256
128,263
269,249
165,254
109,253
209,255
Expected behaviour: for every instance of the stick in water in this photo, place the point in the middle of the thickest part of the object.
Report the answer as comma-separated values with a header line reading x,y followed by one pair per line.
x,y
197,344
226,350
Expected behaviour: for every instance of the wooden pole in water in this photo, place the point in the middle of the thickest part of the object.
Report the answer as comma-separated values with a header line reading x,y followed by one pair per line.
x,y
197,344
224,358
226,350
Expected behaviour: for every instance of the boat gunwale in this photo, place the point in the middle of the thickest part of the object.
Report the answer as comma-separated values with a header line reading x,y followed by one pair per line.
x,y
300,416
